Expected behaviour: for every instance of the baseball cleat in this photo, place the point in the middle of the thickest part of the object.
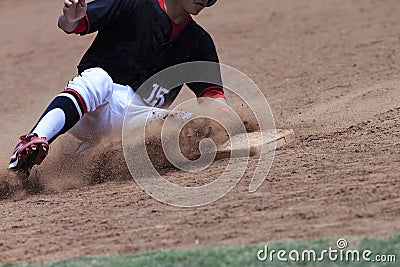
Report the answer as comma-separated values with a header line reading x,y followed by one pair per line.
x,y
29,152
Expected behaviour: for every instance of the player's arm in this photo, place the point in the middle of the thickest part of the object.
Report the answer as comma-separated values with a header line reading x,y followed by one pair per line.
x,y
212,89
81,18
208,92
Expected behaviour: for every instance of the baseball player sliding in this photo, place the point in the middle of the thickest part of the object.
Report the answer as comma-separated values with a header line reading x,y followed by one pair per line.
x,y
135,40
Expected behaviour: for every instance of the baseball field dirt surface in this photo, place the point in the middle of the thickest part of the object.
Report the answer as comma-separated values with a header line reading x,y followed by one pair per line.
x,y
330,71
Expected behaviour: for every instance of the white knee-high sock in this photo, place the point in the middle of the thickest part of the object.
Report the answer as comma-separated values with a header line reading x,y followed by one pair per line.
x,y
61,115
51,124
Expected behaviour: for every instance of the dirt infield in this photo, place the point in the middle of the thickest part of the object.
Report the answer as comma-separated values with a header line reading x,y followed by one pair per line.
x,y
329,69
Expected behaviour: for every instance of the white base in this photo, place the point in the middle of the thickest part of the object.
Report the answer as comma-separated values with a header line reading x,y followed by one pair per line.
x,y
260,142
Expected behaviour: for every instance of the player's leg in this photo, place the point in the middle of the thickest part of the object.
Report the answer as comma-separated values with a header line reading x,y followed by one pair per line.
x,y
62,113
123,107
139,113
85,93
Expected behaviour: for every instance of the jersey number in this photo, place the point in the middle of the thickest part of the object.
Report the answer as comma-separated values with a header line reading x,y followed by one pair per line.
x,y
156,98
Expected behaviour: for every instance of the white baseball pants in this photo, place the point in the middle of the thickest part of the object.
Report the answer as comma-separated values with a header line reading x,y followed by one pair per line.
x,y
107,103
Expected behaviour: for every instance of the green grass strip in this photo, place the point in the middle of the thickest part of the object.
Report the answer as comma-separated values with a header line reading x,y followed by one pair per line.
x,y
246,255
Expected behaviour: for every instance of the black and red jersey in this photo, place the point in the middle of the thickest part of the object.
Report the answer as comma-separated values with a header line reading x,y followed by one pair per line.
x,y
136,39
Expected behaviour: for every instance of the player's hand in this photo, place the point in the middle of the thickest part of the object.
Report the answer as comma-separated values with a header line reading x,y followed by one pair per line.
x,y
219,110
224,115
74,10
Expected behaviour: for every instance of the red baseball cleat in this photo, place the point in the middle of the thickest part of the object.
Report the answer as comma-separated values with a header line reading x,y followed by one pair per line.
x,y
29,152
